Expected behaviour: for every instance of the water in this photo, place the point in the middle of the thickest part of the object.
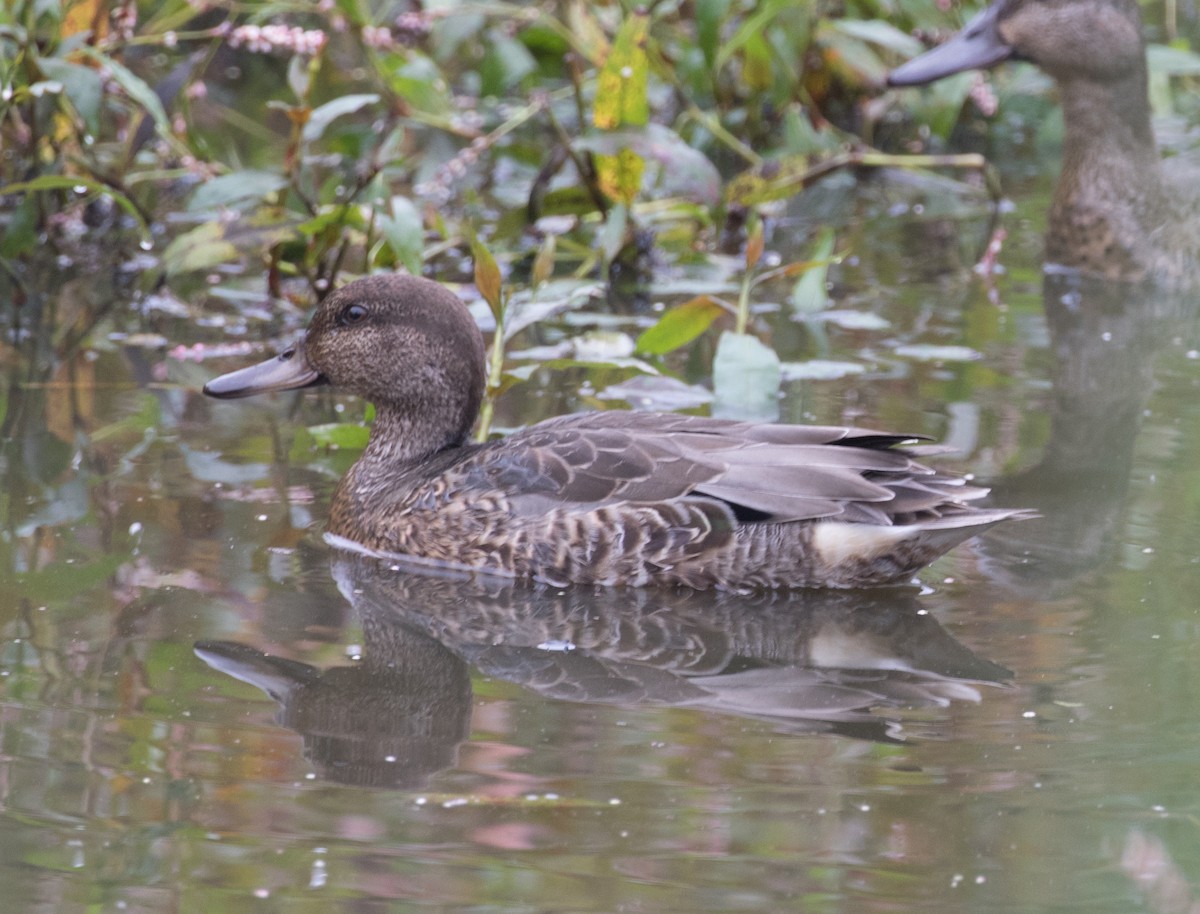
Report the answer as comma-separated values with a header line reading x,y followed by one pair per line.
x,y
203,706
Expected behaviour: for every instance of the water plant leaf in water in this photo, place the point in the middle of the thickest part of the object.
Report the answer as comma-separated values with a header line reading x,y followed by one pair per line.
x,y
680,325
658,392
929,352
61,582
809,294
820,370
746,377
526,307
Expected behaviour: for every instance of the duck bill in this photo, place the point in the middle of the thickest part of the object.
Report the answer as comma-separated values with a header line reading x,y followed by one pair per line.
x,y
977,47
289,370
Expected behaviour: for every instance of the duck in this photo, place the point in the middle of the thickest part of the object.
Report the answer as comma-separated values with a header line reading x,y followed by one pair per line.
x,y
1118,213
614,498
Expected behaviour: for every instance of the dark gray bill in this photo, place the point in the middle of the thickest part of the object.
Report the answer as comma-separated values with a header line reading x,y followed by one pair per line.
x,y
287,371
977,47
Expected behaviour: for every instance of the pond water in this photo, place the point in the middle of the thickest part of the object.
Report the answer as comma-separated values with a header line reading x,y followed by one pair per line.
x,y
205,707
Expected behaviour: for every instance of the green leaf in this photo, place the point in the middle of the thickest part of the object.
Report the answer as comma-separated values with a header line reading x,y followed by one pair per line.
x,y
404,232
809,295
1172,61
320,119
680,325
878,32
419,81
241,186
756,64
621,86
75,183
337,216
343,435
746,375
20,233
82,85
505,64
850,56
136,88
709,16
215,243
612,236
750,29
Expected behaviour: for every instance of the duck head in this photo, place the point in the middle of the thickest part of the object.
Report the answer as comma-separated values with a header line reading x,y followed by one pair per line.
x,y
1082,39
406,344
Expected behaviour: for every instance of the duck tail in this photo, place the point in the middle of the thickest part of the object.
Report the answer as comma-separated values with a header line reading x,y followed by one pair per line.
x,y
855,555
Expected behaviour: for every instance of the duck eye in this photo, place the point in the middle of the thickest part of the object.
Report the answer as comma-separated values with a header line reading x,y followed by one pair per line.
x,y
352,314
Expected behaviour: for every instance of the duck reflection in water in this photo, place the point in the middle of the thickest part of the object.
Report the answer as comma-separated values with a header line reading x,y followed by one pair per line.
x,y
1105,339
811,662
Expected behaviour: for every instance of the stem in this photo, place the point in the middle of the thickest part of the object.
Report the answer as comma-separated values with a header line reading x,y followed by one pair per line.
x,y
743,304
495,376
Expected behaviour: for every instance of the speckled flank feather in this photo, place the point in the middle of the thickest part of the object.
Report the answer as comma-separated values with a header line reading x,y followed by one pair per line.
x,y
639,498
614,498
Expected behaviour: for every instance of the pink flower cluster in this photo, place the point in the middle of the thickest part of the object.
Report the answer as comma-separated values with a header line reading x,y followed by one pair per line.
x,y
984,96
410,28
263,39
378,37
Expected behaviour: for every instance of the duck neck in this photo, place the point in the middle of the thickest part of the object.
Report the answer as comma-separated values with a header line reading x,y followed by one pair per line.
x,y
1109,153
408,437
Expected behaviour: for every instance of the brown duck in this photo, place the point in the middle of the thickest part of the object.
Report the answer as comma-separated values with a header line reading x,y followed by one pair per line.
x,y
1117,212
615,498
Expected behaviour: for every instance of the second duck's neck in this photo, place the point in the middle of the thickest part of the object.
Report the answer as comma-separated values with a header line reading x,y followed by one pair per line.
x,y
1109,147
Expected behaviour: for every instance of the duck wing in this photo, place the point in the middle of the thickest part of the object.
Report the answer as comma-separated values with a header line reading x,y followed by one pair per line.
x,y
764,473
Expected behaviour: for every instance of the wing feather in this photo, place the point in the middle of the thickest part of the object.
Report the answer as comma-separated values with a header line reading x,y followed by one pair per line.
x,y
777,472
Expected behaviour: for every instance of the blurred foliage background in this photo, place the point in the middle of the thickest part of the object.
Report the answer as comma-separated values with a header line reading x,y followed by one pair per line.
x,y
312,138
576,142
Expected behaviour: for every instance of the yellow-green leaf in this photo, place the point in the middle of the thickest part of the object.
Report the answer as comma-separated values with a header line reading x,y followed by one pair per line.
x,y
487,277
680,325
543,262
620,175
754,245
621,87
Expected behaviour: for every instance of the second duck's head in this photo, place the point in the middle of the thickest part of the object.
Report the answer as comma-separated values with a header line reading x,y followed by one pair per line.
x,y
406,344
1097,40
